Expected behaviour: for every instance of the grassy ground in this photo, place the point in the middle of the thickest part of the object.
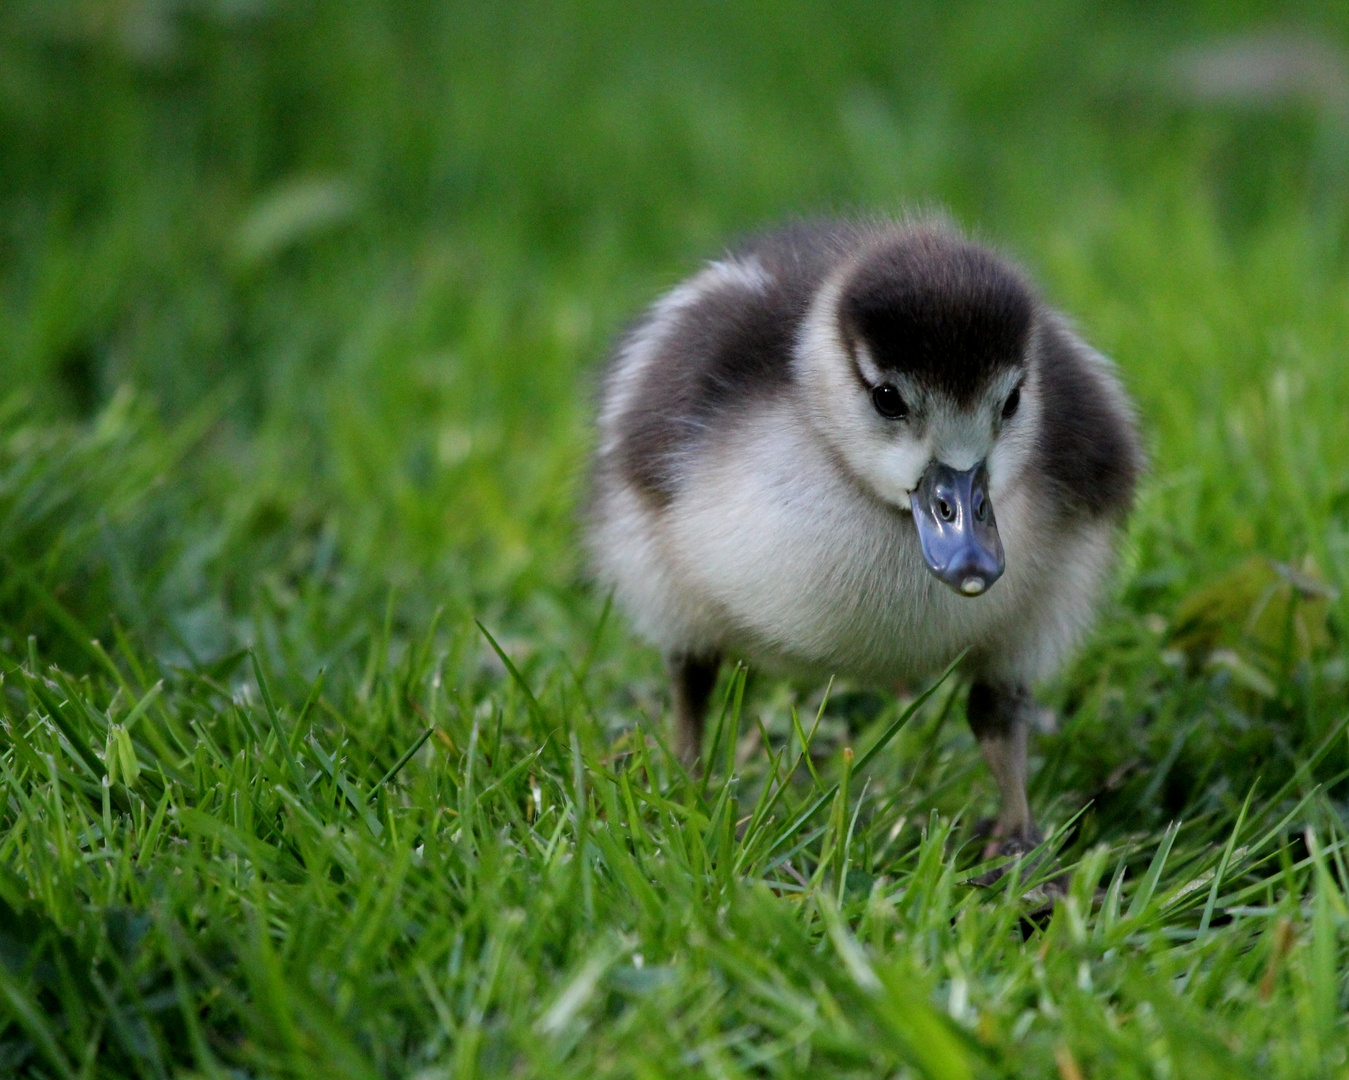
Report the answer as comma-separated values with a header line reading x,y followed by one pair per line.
x,y
298,308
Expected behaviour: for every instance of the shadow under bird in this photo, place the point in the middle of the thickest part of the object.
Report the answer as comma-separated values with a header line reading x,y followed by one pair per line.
x,y
859,448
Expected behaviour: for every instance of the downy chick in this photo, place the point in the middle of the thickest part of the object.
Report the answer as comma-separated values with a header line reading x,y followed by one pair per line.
x,y
859,449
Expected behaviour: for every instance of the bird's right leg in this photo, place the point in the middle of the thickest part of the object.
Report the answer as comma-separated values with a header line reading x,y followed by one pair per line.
x,y
999,716
691,681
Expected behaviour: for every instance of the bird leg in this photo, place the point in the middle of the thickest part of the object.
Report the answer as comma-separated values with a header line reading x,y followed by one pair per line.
x,y
998,716
691,681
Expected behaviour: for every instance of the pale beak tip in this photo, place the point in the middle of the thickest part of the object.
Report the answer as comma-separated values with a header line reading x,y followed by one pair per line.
x,y
972,586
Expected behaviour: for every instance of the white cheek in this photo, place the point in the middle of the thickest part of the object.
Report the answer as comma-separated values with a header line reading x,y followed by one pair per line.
x,y
899,468
1015,449
887,461
1005,465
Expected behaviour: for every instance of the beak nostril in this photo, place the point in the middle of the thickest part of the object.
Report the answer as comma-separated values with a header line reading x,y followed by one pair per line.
x,y
944,509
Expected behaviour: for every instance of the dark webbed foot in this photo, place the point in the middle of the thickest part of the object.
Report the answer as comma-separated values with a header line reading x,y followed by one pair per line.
x,y
998,843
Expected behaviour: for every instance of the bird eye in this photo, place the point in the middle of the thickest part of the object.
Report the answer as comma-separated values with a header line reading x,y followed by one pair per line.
x,y
889,403
1009,406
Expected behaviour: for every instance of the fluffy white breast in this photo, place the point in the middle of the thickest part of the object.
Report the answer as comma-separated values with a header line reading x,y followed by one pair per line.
x,y
806,571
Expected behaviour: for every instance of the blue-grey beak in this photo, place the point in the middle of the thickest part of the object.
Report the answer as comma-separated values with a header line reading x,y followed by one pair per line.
x,y
956,528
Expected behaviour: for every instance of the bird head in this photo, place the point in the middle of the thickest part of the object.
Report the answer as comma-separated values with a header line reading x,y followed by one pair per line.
x,y
917,364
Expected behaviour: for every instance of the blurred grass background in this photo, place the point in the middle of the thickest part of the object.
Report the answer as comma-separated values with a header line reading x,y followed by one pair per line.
x,y
376,250
300,306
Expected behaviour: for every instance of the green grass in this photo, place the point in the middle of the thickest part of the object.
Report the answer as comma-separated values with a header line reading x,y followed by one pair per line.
x,y
299,306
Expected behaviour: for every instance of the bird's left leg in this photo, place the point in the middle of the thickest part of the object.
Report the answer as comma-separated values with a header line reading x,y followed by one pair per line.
x,y
999,715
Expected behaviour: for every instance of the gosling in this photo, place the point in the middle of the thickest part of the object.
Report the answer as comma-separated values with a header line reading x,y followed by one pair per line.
x,y
861,448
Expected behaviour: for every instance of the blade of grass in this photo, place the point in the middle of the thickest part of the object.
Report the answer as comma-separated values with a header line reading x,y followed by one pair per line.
x,y
1140,900
1207,917
531,702
301,786
729,715
403,759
